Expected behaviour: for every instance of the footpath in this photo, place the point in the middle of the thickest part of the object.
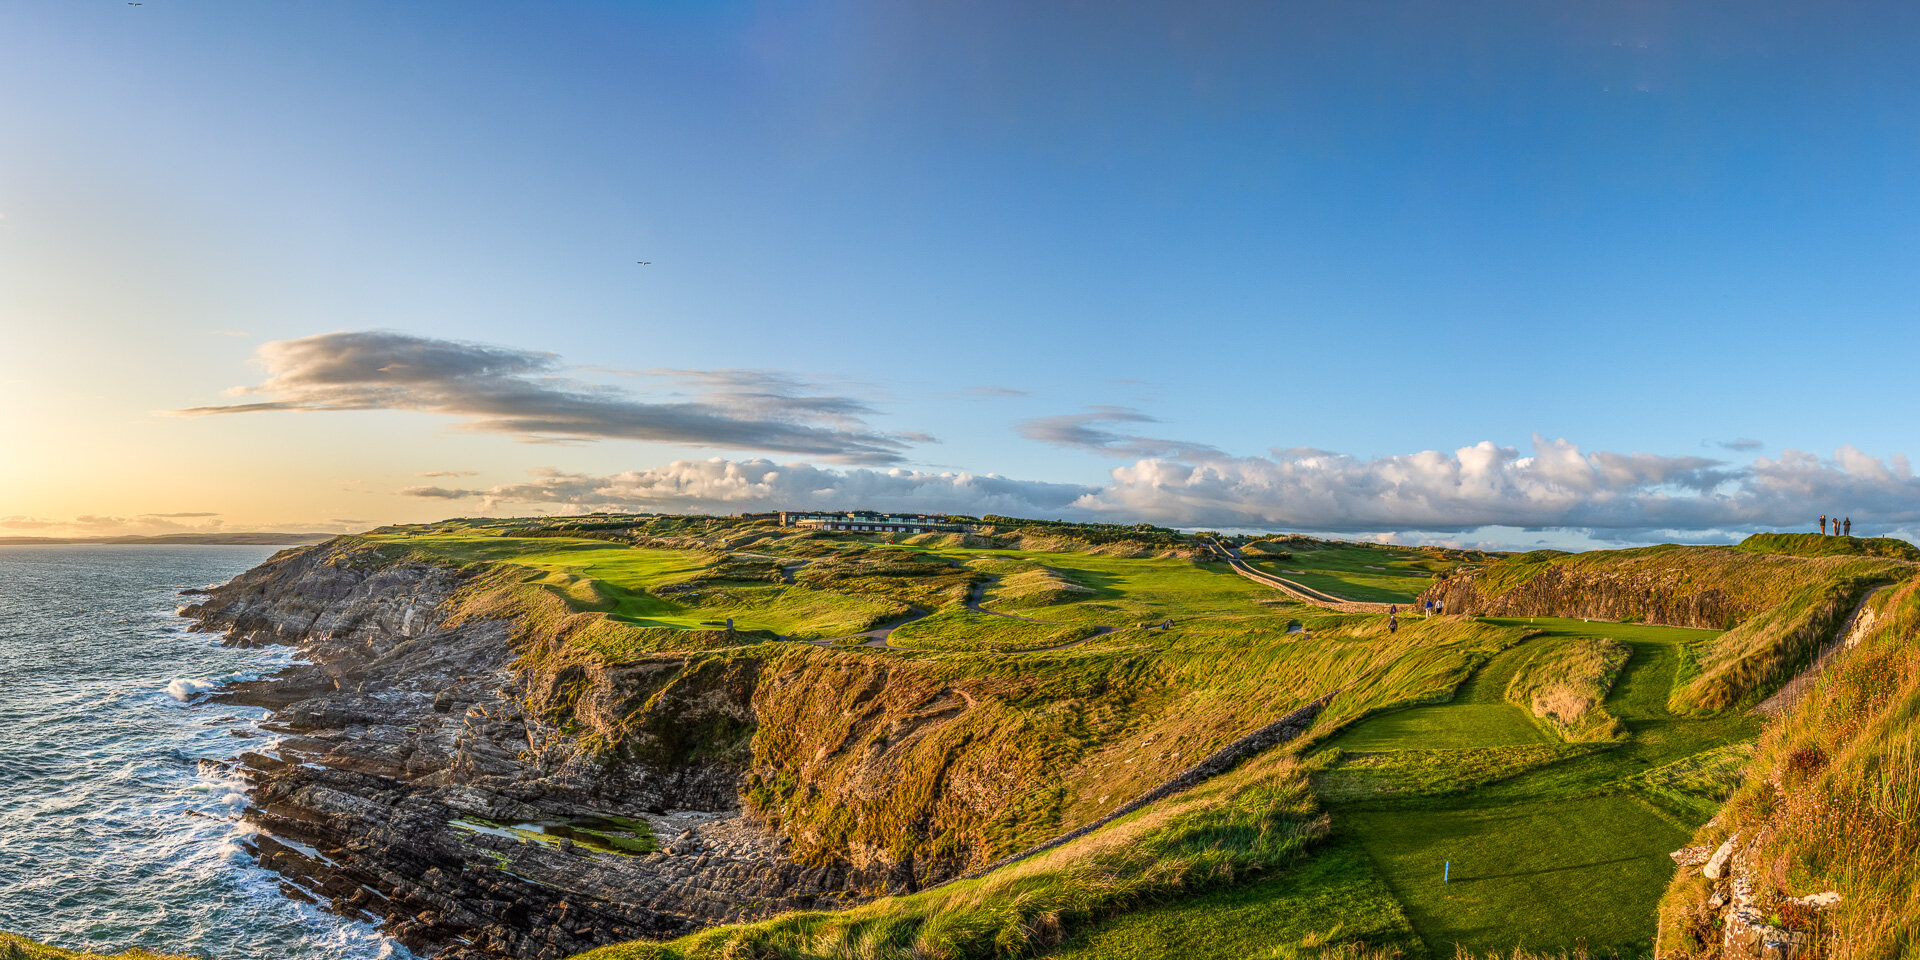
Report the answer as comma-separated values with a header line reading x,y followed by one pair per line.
x,y
1299,591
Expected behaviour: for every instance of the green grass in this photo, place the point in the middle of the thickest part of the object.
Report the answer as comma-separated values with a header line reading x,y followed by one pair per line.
x,y
1696,785
1348,777
1546,876
1553,848
1334,896
1356,572
1121,591
960,629
1477,716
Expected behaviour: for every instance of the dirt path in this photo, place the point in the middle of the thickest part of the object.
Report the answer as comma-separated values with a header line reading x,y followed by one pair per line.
x,y
1856,626
877,637
1300,591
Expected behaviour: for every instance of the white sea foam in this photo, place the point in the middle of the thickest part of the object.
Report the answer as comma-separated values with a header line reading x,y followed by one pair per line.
x,y
125,815
184,689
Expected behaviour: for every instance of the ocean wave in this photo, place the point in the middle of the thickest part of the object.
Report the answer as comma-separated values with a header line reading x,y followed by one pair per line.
x,y
184,689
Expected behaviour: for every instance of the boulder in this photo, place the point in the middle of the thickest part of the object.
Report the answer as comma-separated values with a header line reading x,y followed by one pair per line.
x,y
1717,864
1691,856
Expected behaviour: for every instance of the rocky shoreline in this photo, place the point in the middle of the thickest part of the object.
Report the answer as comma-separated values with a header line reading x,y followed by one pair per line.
x,y
415,789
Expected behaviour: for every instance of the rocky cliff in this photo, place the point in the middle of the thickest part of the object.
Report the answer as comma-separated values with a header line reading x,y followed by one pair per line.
x,y
1684,586
429,783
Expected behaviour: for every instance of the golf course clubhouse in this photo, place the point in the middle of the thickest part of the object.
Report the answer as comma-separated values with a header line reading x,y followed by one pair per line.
x,y
860,521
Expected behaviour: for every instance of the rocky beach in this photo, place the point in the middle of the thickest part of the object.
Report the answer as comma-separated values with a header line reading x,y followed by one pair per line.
x,y
419,789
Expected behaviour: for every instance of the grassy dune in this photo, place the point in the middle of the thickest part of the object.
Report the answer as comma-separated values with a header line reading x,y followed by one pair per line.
x,y
1563,681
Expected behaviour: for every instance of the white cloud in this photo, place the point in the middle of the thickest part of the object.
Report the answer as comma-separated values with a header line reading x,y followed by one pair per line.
x,y
1487,485
732,486
1431,496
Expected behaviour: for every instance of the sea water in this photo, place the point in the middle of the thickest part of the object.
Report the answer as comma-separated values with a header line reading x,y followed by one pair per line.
x,y
113,834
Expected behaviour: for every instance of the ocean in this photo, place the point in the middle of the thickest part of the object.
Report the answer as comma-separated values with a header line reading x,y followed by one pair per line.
x,y
113,833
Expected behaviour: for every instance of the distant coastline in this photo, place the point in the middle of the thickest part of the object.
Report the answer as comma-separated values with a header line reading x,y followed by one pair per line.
x,y
178,539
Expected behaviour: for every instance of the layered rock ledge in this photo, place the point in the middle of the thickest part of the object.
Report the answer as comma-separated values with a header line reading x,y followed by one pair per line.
x,y
417,789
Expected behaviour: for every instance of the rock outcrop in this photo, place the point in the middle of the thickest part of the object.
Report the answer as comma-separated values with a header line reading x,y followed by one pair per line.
x,y
1747,930
423,785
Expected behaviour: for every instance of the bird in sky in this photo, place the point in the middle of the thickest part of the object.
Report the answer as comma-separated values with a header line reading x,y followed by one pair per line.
x,y
644,263
130,3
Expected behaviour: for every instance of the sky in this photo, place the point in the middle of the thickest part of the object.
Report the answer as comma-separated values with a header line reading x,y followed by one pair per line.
x,y
1582,273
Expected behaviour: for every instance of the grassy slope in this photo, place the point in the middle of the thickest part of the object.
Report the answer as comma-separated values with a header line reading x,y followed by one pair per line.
x,y
1781,607
1533,826
1749,582
1350,571
1833,797
20,948
1563,682
1558,855
1252,820
1821,545
946,753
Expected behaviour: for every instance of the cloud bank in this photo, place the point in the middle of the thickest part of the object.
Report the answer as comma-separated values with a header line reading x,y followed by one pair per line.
x,y
524,393
1616,496
734,486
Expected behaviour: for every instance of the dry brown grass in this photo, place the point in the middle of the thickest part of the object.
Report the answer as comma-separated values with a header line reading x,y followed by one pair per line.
x,y
1832,802
1564,682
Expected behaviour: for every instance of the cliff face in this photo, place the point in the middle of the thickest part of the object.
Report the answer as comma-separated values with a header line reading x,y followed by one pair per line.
x,y
420,763
1656,595
1707,587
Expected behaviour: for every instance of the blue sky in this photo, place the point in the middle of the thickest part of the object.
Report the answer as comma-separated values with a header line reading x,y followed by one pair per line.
x,y
1116,253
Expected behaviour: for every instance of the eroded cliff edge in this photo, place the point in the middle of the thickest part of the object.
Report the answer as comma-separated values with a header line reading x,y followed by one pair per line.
x,y
420,761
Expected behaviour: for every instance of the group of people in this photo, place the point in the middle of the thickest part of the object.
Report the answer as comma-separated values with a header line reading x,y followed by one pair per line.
x,y
1393,612
1842,527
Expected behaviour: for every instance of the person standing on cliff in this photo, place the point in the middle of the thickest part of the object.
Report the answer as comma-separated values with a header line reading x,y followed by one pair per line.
x,y
1849,532
1823,524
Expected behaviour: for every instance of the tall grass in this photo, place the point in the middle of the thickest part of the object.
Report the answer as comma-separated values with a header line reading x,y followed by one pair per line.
x,y
1832,802
1239,825
20,948
1753,659
1563,683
